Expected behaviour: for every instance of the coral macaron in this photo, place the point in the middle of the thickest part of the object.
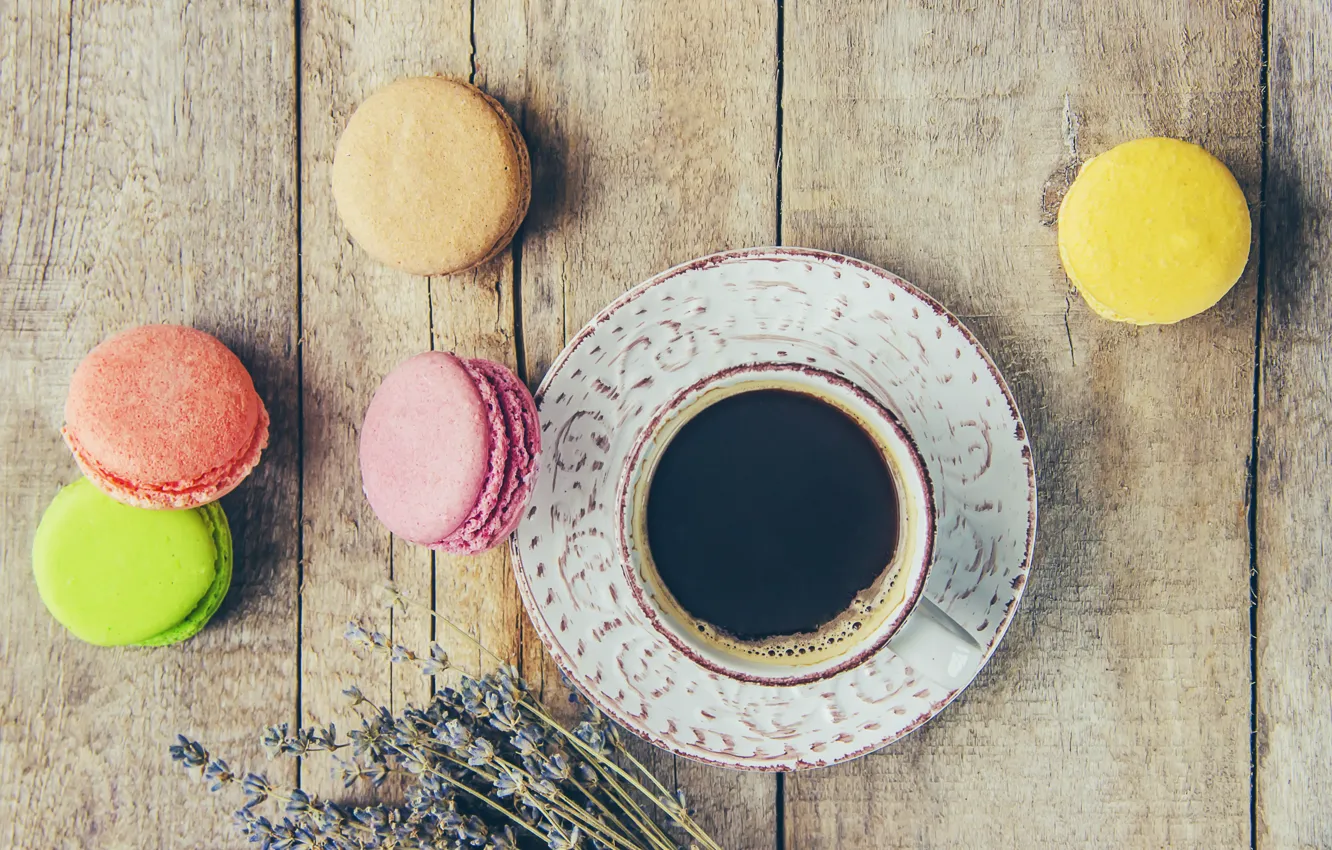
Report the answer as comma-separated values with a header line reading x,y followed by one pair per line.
x,y
163,416
449,452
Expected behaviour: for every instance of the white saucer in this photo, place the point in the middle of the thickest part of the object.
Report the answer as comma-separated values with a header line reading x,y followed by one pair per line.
x,y
768,305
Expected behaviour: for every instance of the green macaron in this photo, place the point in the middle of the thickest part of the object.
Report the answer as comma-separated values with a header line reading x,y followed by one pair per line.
x,y
116,575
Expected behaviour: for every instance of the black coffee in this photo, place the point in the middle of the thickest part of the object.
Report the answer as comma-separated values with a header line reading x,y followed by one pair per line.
x,y
769,512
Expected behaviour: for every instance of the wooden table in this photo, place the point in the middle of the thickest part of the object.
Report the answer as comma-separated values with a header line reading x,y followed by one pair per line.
x,y
1167,680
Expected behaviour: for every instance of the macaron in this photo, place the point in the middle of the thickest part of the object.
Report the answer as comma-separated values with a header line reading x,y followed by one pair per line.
x,y
116,575
1154,231
431,176
163,416
449,452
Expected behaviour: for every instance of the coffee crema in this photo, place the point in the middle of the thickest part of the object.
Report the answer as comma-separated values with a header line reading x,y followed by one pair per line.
x,y
772,521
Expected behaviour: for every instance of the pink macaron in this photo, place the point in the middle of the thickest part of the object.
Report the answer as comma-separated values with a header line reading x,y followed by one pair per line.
x,y
164,416
449,452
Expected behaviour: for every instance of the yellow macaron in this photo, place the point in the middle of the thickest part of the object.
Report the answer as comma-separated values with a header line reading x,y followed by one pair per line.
x,y
1154,231
431,176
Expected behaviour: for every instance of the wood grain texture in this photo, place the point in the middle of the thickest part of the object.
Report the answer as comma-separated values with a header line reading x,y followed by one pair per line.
x,y
474,316
652,127
360,319
1293,512
922,137
147,174
500,34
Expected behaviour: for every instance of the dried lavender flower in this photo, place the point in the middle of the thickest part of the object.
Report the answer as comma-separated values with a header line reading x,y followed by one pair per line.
x,y
189,753
486,767
218,775
437,663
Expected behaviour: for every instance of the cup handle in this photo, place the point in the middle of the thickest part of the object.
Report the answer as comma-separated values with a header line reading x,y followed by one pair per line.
x,y
936,647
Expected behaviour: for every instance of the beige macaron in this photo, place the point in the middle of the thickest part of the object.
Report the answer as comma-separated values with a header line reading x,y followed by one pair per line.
x,y
431,176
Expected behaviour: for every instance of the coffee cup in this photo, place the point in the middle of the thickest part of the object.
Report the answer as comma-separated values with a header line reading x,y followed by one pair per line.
x,y
680,577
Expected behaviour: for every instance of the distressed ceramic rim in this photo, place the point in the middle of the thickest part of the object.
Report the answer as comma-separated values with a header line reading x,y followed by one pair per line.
x,y
828,258
918,569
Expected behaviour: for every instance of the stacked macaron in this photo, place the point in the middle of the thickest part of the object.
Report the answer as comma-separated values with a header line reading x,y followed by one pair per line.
x,y
163,416
163,420
117,575
449,452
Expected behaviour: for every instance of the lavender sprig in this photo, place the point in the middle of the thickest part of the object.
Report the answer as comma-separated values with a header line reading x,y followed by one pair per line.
x,y
486,767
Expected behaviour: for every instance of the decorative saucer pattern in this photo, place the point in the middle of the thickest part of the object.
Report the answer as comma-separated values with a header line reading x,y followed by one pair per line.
x,y
768,305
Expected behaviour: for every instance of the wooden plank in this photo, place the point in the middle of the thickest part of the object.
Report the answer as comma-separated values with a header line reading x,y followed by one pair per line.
x,y
474,316
922,138
360,319
1294,721
502,44
652,127
147,174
